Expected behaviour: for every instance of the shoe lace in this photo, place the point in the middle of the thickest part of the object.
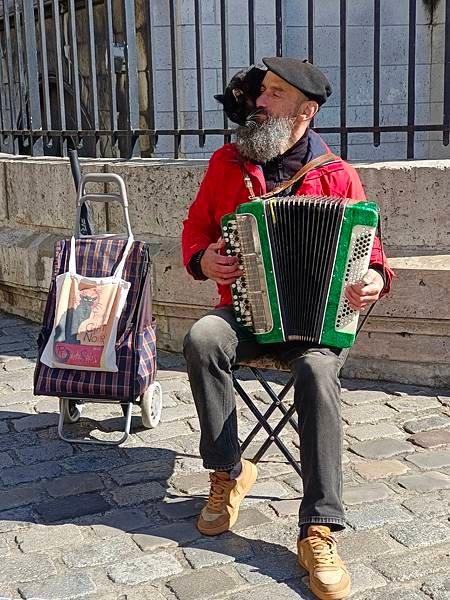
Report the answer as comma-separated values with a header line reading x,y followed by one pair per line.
x,y
324,550
217,492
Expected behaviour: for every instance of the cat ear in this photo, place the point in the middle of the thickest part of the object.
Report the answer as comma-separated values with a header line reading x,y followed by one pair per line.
x,y
220,98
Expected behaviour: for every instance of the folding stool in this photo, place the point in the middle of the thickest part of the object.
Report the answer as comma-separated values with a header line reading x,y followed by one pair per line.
x,y
256,366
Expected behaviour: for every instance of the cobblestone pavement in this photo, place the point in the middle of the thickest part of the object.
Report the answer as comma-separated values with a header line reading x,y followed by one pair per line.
x,y
118,523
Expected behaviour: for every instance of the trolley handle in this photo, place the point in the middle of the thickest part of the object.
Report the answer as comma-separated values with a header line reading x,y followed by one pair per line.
x,y
120,196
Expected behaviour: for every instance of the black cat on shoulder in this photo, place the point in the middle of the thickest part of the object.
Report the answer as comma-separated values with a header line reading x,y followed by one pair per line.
x,y
239,99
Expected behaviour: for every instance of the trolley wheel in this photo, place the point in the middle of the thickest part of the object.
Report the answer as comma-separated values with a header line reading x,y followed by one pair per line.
x,y
70,410
151,405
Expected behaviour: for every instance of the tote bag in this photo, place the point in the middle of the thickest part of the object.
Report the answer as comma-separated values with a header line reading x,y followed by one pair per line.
x,y
87,312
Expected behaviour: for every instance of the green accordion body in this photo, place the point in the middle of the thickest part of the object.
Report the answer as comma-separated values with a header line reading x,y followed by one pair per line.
x,y
297,254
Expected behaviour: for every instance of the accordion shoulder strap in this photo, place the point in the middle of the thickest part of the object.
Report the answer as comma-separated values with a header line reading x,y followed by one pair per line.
x,y
321,160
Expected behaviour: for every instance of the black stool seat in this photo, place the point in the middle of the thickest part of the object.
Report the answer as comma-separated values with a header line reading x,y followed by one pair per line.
x,y
257,366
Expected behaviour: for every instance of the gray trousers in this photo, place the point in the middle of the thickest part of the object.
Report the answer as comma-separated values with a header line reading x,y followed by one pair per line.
x,y
213,345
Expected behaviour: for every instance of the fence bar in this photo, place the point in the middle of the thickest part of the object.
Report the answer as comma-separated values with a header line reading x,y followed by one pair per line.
x,y
311,31
75,70
279,27
47,121
149,71
251,31
34,107
9,64
343,71
173,55
111,66
59,68
132,73
3,138
376,71
23,116
92,66
446,82
224,55
199,66
411,78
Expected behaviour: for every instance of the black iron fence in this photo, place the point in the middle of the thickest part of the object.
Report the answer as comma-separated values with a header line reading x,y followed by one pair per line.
x,y
81,72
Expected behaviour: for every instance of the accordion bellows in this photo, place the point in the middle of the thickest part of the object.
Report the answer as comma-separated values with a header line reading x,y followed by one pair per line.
x,y
297,254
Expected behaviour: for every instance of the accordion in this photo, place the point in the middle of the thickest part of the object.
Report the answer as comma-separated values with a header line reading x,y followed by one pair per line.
x,y
297,254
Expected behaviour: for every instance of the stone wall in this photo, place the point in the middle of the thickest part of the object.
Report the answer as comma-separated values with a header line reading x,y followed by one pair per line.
x,y
406,338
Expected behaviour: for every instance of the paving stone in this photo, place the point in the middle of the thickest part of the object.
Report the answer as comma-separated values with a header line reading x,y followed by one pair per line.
x,y
28,473
430,460
181,507
50,450
294,482
191,483
366,492
20,398
279,536
153,436
18,381
34,422
221,550
70,485
367,414
4,547
431,439
381,448
20,496
263,491
364,578
373,516
414,564
280,591
4,427
380,469
202,585
17,364
425,482
390,592
285,508
362,545
419,533
250,517
119,521
264,569
71,507
437,587
38,537
100,553
15,411
136,494
11,441
177,413
166,536
444,399
357,397
426,424
429,506
144,568
55,588
142,471
5,460
13,520
371,432
95,461
413,403
22,569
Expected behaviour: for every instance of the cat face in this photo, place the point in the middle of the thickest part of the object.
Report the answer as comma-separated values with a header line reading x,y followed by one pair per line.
x,y
239,99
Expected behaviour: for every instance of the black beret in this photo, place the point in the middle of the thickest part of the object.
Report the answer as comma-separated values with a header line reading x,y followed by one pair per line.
x,y
302,75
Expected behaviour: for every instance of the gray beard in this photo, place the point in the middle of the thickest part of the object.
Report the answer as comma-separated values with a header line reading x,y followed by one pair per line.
x,y
261,142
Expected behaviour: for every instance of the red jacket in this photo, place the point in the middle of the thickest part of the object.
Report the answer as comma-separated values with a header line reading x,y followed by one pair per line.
x,y
223,189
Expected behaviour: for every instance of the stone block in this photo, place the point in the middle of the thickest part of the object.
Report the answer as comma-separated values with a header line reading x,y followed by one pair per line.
x,y
285,508
101,553
34,538
261,570
413,403
202,584
61,587
142,471
437,586
366,414
180,508
144,568
165,536
427,423
267,490
15,475
355,546
420,534
20,496
431,439
5,460
425,482
370,432
374,516
71,507
367,492
357,397
22,569
51,450
136,494
365,578
70,485
381,448
430,460
34,422
414,564
95,461
211,552
429,506
191,483
119,521
380,469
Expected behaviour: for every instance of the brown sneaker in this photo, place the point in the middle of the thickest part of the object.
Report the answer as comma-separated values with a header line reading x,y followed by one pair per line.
x,y
317,554
225,496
